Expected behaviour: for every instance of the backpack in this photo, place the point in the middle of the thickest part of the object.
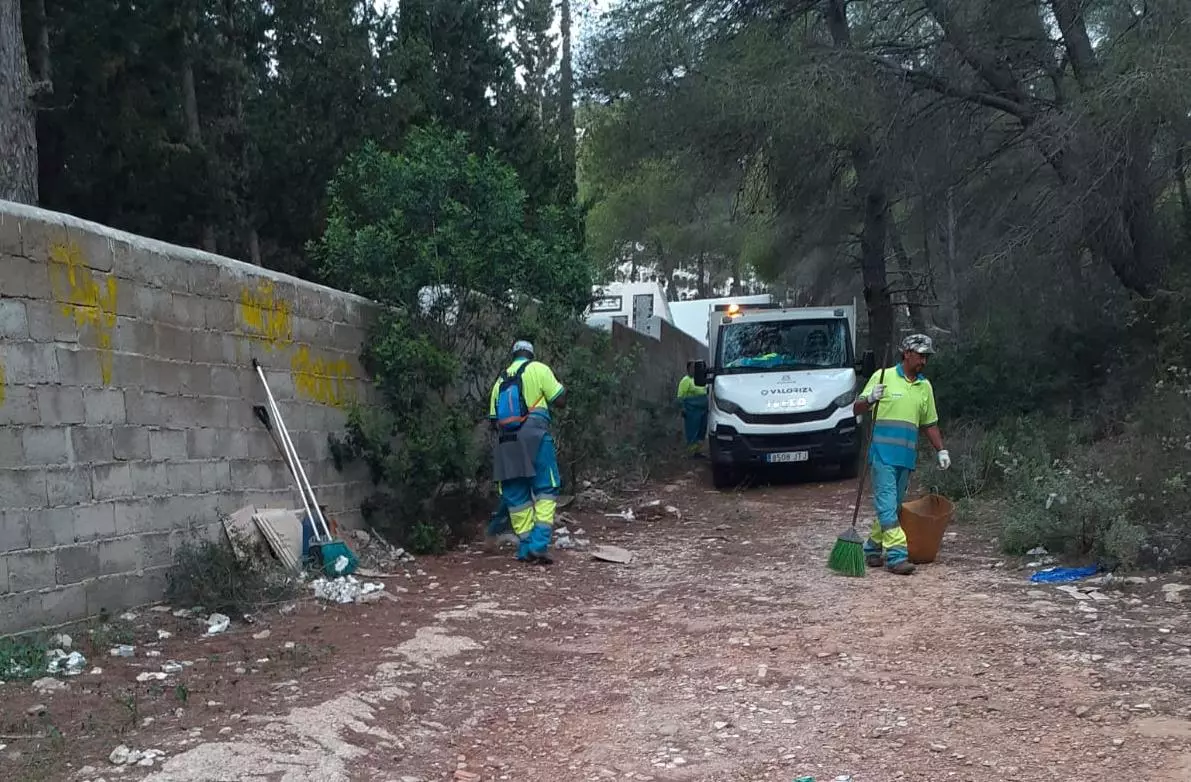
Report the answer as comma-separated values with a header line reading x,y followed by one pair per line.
x,y
511,408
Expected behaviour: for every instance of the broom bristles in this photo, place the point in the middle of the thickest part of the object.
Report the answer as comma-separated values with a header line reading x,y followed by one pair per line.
x,y
847,557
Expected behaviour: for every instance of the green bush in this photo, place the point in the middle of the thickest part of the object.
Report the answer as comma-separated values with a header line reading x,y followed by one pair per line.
x,y
441,237
208,574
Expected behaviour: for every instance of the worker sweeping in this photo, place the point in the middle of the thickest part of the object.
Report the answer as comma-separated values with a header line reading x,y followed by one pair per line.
x,y
693,400
524,462
907,406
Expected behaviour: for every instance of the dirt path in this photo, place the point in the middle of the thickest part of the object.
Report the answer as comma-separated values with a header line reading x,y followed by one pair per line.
x,y
725,651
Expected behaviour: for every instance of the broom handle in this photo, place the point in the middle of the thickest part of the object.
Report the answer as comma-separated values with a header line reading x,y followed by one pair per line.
x,y
864,468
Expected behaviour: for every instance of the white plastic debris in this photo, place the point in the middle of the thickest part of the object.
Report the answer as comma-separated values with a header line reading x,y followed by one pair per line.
x,y
217,623
347,589
150,676
123,650
164,634
341,563
59,662
126,756
171,667
128,617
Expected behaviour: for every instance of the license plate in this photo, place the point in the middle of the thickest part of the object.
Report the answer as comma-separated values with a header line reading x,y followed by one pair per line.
x,y
789,456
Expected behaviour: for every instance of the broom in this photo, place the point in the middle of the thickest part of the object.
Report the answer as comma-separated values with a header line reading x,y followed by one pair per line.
x,y
847,556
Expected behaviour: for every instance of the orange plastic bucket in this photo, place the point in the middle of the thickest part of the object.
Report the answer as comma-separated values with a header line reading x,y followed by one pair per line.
x,y
924,521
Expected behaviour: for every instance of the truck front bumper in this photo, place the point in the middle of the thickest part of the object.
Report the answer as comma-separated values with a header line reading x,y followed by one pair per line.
x,y
836,445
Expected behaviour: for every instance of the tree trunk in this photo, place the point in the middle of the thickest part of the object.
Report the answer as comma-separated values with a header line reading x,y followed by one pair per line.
x,y
45,69
701,282
194,137
1180,171
18,117
950,226
566,109
915,291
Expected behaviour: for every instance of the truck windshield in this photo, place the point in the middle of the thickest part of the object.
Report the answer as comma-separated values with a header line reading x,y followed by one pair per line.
x,y
769,346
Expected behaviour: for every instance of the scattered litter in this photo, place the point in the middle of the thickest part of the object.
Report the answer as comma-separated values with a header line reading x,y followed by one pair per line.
x,y
626,515
150,676
217,623
160,609
59,662
341,564
171,667
152,653
612,554
96,672
128,617
1062,575
62,641
565,539
347,589
125,756
123,650
262,635
164,634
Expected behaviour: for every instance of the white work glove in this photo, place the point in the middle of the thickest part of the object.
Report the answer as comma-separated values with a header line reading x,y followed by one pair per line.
x,y
876,395
944,459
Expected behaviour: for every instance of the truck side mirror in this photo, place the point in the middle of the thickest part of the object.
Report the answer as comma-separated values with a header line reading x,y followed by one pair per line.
x,y
868,364
700,374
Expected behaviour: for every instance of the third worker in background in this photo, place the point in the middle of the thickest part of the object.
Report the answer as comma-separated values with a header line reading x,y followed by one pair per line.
x,y
693,400
524,462
907,405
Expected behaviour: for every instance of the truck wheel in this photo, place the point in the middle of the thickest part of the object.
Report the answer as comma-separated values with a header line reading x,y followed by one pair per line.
x,y
849,468
723,476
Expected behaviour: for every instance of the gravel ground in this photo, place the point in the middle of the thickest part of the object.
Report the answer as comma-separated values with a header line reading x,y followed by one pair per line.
x,y
723,651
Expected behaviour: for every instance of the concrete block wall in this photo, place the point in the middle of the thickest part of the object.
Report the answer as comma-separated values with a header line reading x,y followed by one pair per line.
x,y
662,359
126,406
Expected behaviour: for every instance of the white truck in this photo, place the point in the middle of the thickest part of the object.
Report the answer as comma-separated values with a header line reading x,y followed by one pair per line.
x,y
781,383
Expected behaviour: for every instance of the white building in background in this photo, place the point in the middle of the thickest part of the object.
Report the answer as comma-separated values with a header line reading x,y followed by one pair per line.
x,y
691,316
638,305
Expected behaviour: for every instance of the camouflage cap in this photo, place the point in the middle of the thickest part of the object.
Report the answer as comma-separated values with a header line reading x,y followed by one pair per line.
x,y
919,343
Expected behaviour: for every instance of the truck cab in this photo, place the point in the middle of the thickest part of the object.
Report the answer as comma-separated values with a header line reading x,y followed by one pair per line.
x,y
781,383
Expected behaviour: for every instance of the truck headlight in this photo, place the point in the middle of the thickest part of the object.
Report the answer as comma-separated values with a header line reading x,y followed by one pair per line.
x,y
728,407
845,400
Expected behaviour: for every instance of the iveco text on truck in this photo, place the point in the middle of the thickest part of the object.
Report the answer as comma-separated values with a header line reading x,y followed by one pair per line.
x,y
781,383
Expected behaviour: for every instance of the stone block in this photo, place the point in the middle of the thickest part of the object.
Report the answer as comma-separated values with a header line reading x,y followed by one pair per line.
x,y
136,516
146,408
60,405
209,411
203,280
129,369
49,527
97,250
134,335
12,451
215,476
63,605
173,343
153,304
45,445
225,381
281,383
206,347
111,481
104,406
68,485
188,311
130,443
155,549
162,377
14,531
17,610
28,363
76,563
48,323
14,320
185,477
118,555
219,315
22,278
78,366
149,479
92,443
167,444
32,569
194,379
11,242
24,488
20,406
162,270
93,522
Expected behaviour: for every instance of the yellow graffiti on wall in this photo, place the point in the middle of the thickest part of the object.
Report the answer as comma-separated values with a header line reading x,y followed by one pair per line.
x,y
266,316
321,380
88,300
